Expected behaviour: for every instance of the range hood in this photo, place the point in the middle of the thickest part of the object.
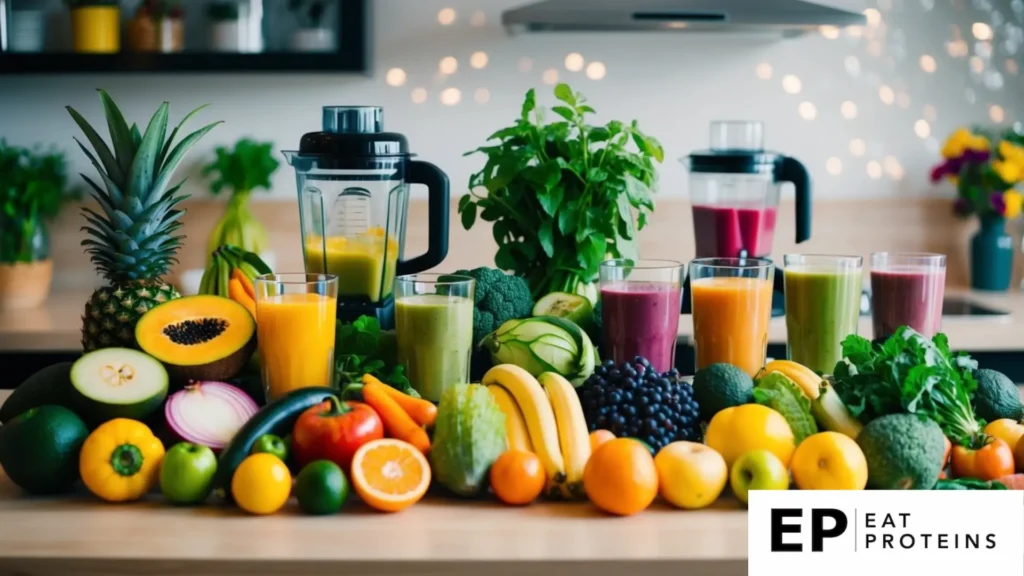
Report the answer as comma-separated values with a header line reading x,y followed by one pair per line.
x,y
788,17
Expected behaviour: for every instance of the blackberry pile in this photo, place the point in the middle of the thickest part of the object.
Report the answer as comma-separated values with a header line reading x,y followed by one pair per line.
x,y
634,400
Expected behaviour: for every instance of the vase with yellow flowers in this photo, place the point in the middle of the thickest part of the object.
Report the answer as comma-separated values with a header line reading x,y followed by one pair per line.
x,y
986,169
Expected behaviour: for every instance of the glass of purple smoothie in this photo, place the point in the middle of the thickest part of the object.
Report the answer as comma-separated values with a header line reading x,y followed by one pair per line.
x,y
640,305
907,290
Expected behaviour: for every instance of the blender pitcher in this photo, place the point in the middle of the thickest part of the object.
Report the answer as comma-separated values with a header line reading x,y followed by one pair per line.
x,y
353,184
735,188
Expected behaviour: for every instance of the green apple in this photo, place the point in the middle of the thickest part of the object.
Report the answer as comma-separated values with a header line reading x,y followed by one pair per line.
x,y
186,474
271,444
757,470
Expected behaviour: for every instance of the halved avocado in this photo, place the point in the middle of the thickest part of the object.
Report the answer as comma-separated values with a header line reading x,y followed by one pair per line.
x,y
199,337
117,383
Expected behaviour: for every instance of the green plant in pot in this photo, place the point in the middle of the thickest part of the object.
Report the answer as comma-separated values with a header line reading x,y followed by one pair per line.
x,y
563,195
244,169
33,188
986,167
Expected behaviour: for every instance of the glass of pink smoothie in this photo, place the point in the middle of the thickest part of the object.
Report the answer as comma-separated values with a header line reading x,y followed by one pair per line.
x,y
907,290
640,306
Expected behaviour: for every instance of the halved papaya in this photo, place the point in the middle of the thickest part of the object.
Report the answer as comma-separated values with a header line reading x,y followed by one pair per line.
x,y
198,338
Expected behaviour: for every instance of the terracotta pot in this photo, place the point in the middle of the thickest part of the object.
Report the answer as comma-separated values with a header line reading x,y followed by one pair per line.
x,y
25,285
142,34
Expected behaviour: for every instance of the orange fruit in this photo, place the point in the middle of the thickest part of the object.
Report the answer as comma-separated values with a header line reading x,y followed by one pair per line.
x,y
829,461
620,477
261,484
735,431
599,437
517,477
390,475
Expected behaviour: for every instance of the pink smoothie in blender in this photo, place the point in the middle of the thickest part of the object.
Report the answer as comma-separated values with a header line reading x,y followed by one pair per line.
x,y
728,229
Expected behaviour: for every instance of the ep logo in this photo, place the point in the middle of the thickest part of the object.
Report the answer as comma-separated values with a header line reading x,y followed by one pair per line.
x,y
822,523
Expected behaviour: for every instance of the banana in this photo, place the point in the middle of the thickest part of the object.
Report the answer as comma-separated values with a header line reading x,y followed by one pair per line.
x,y
572,432
223,277
515,423
803,376
540,418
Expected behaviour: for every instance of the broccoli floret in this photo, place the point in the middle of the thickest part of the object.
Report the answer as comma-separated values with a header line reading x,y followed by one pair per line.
x,y
499,297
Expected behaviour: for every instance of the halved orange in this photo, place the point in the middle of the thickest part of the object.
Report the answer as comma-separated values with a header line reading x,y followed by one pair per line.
x,y
390,475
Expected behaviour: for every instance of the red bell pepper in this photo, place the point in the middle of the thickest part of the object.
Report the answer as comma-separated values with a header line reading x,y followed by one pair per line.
x,y
334,430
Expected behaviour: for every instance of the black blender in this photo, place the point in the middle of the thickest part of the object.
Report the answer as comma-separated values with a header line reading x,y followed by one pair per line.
x,y
734,190
353,182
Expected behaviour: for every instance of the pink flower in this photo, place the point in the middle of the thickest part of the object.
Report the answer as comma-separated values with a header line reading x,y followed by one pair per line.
x,y
996,198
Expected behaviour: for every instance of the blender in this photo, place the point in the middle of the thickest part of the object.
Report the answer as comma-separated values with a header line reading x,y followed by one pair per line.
x,y
353,183
734,190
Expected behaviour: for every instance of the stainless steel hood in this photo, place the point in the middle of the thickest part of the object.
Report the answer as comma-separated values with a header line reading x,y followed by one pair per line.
x,y
788,17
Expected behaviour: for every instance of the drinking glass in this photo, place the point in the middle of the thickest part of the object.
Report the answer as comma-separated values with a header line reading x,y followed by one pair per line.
x,y
640,305
297,317
907,290
434,322
822,307
732,306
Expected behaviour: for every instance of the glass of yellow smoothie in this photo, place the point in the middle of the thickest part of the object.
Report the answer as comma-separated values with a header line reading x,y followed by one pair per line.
x,y
434,325
295,326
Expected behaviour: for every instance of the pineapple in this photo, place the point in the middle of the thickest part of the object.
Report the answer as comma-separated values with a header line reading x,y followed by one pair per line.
x,y
132,238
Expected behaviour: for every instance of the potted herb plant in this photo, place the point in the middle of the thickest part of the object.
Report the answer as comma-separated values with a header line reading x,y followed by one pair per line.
x,y
95,26
985,168
225,33
33,187
244,169
312,35
563,196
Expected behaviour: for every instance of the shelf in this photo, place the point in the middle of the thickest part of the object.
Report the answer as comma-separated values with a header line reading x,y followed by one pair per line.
x,y
353,55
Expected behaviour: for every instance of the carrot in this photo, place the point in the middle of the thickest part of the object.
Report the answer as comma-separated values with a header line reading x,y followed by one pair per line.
x,y
1012,482
397,423
423,412
246,283
237,293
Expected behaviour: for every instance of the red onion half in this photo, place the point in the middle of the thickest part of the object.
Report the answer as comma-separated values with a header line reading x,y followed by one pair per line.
x,y
208,413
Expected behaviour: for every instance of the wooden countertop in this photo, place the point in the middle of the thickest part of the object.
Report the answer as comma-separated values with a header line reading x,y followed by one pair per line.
x,y
56,326
80,535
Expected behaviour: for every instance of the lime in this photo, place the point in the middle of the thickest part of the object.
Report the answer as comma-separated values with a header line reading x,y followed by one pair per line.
x,y
321,488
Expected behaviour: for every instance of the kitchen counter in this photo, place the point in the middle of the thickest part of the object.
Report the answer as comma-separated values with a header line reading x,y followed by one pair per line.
x,y
80,535
56,326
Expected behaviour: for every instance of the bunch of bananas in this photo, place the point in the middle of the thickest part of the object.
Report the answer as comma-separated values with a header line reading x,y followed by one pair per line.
x,y
230,265
543,415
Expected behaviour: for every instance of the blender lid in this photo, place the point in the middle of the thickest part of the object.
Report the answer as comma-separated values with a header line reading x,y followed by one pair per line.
x,y
353,131
733,161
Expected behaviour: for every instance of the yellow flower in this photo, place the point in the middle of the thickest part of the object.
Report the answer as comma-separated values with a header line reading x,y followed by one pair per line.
x,y
978,144
1009,172
1013,201
957,143
1011,153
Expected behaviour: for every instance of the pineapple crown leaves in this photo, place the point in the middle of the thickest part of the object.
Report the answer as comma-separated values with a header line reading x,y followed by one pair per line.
x,y
132,237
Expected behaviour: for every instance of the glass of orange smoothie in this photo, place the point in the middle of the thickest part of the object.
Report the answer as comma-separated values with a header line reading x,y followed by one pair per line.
x,y
295,325
732,305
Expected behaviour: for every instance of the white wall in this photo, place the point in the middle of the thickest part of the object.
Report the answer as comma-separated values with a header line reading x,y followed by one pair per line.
x,y
674,84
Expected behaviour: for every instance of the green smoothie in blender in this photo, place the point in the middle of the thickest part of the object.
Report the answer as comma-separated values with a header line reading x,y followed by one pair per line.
x,y
365,264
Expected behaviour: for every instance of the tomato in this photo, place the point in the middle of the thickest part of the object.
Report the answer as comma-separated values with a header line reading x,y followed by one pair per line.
x,y
991,461
334,431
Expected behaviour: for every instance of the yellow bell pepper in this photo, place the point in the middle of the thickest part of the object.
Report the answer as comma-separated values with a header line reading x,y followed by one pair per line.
x,y
120,460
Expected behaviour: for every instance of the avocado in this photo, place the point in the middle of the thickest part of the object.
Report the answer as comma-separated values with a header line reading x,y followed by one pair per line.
x,y
720,386
903,452
51,385
996,397
39,449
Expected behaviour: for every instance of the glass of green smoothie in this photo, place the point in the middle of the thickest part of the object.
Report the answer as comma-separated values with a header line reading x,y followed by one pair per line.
x,y
822,307
434,329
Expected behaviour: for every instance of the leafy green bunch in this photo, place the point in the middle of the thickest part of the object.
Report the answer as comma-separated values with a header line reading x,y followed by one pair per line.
x,y
910,373
563,196
361,347
33,187
245,168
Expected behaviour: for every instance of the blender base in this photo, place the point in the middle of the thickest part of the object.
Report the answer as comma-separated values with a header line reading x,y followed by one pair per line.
x,y
384,312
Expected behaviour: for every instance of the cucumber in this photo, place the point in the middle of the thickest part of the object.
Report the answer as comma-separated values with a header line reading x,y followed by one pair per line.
x,y
572,307
278,418
114,383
